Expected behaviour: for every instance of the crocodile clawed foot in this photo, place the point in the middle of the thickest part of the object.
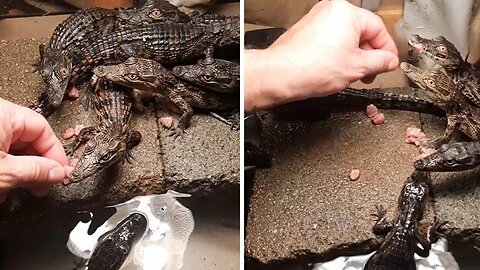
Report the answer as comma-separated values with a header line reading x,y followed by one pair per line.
x,y
380,212
438,228
80,264
69,148
176,132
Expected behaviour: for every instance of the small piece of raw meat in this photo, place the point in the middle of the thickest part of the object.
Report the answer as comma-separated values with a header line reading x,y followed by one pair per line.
x,y
166,121
371,111
73,93
78,129
69,133
416,136
354,174
378,119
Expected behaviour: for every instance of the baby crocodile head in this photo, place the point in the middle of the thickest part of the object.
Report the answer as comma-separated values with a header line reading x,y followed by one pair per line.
x,y
153,11
435,83
113,247
439,49
55,68
100,152
453,157
214,74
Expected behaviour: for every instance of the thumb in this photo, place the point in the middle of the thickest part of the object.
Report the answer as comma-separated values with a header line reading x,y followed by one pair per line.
x,y
19,171
377,61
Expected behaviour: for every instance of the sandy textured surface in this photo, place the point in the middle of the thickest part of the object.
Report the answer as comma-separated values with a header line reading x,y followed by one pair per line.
x,y
306,205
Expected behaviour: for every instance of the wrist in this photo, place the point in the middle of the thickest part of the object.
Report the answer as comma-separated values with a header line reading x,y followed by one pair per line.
x,y
265,82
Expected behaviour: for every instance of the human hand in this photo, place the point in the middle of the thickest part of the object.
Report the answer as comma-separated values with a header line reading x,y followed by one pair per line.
x,y
332,46
30,153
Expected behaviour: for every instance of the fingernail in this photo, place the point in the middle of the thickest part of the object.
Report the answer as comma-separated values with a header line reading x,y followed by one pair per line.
x,y
393,64
56,174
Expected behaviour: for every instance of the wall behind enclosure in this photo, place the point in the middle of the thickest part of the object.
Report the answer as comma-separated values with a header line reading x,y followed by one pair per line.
x,y
278,13
430,18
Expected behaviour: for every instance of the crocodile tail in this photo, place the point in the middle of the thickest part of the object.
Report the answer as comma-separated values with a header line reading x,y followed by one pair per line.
x,y
384,100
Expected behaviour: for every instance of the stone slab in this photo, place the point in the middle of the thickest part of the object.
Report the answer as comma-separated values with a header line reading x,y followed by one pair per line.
x,y
304,209
305,205
206,157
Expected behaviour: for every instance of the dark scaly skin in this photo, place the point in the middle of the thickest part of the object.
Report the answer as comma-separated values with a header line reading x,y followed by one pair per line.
x,y
457,156
400,245
167,43
383,100
114,246
214,74
350,99
445,53
112,140
460,113
55,62
149,75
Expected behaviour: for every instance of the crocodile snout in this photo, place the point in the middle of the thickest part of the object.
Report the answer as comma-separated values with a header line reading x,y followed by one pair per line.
x,y
420,164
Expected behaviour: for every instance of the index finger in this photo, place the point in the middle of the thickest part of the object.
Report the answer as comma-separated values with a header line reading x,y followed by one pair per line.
x,y
374,32
32,128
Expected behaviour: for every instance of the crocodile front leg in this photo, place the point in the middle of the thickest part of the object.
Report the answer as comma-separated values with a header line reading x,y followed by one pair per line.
x,y
382,226
42,106
84,136
422,235
133,139
452,123
187,113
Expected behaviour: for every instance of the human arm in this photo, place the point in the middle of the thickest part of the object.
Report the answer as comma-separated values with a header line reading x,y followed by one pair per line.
x,y
30,153
333,45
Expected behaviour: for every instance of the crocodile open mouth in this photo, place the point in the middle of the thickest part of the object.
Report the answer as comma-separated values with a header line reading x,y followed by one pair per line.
x,y
417,46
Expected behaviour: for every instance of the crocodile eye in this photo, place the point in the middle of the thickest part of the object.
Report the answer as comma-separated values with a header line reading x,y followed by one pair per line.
x,y
441,48
207,78
431,82
63,72
106,157
155,14
132,76
43,73
100,70
450,162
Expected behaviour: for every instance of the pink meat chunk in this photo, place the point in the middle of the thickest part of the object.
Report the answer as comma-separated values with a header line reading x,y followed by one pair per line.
x,y
69,133
415,136
166,121
354,174
378,119
371,111
73,93
78,129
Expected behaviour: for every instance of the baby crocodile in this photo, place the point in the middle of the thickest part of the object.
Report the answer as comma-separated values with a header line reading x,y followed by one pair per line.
x,y
214,74
457,156
112,140
55,63
114,246
149,75
444,92
400,245
444,53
